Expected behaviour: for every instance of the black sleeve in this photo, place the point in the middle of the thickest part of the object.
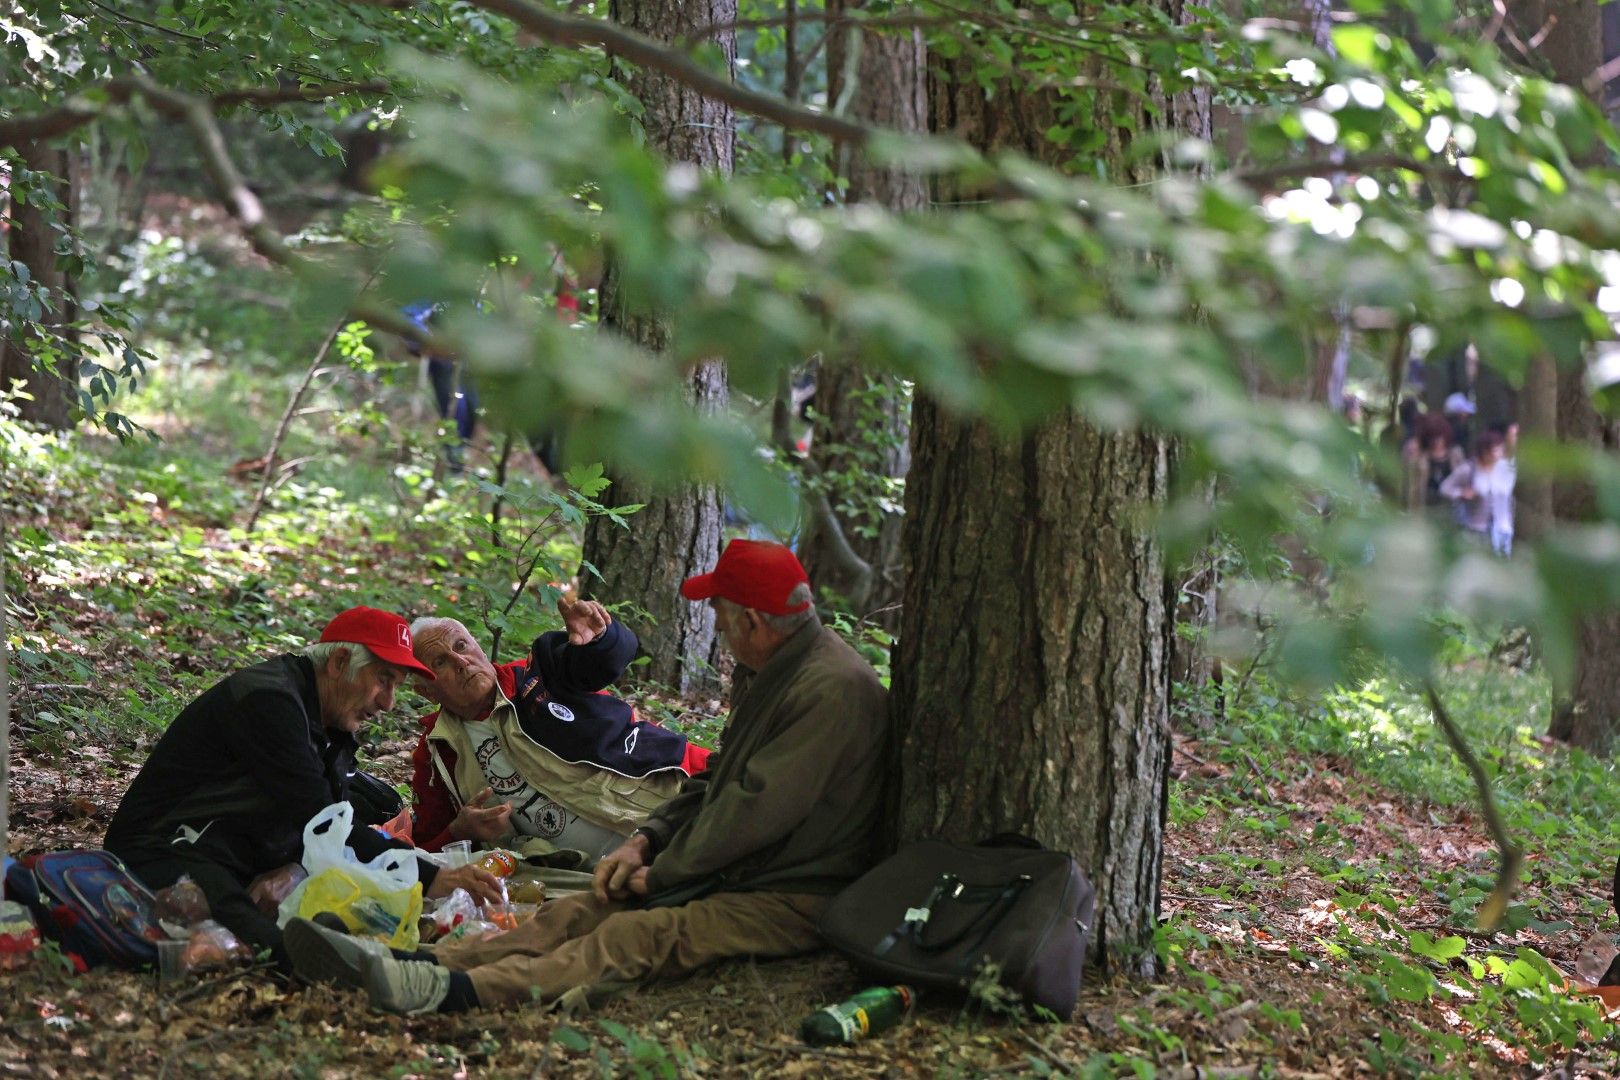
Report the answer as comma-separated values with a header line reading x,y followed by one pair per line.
x,y
583,669
368,843
268,734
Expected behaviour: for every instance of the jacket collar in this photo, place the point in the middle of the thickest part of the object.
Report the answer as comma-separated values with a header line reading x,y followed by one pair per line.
x,y
304,675
506,680
783,662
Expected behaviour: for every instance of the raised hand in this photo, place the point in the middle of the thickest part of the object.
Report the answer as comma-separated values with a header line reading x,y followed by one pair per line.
x,y
478,821
583,619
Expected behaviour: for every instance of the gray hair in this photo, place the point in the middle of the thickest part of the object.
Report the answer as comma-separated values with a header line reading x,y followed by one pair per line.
x,y
360,657
784,624
428,623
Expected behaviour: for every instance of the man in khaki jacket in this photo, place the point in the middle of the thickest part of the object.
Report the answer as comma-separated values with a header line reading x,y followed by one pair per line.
x,y
741,863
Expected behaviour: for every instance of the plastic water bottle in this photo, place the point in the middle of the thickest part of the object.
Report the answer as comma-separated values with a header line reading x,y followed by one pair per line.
x,y
869,1012
500,863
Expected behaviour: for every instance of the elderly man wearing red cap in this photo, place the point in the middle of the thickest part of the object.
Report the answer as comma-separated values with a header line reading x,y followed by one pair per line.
x,y
741,862
230,785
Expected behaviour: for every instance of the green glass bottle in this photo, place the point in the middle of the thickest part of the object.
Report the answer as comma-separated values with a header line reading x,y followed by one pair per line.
x,y
869,1012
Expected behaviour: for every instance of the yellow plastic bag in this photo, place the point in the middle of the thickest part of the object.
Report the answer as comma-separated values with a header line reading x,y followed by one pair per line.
x,y
364,908
381,898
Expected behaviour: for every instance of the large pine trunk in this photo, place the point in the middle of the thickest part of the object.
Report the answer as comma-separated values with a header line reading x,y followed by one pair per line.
x,y
678,533
32,242
1032,680
857,409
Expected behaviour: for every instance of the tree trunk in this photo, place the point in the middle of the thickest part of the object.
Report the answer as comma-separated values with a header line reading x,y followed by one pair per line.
x,y
890,93
1538,419
1032,681
1586,713
32,242
679,533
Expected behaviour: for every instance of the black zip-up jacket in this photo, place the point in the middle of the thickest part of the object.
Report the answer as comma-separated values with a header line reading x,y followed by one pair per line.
x,y
240,772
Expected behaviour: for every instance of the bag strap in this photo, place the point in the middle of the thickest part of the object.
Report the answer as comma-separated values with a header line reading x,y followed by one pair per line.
x,y
915,923
915,917
1001,898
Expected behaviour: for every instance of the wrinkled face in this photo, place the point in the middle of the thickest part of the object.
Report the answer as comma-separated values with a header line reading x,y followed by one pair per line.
x,y
463,677
349,704
744,635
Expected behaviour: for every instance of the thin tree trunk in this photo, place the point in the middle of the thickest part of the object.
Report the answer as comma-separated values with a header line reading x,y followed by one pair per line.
x,y
677,534
1032,681
286,422
854,406
5,713
1587,712
1538,419
33,243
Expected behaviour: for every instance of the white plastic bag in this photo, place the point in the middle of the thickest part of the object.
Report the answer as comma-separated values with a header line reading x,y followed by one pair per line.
x,y
390,878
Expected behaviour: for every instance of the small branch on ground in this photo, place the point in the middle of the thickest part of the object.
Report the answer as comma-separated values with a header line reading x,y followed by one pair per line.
x,y
1507,873
1254,766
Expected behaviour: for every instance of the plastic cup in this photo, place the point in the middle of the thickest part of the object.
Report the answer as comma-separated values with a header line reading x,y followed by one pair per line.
x,y
502,915
171,961
457,853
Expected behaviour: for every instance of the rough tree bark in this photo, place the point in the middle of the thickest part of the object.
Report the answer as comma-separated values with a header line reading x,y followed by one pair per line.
x,y
1032,680
33,243
890,93
678,533
1587,712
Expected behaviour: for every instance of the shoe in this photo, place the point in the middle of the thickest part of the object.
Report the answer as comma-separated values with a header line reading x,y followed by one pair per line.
x,y
320,955
330,920
407,987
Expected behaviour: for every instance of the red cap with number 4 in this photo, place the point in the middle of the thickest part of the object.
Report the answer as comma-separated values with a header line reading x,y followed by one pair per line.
x,y
754,573
387,635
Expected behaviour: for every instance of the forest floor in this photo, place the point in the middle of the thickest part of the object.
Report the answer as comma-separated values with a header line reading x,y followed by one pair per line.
x,y
1323,866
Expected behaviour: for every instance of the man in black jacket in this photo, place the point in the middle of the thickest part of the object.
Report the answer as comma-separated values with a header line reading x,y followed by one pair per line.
x,y
230,785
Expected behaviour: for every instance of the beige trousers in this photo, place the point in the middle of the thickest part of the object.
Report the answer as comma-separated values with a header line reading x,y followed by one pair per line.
x,y
580,942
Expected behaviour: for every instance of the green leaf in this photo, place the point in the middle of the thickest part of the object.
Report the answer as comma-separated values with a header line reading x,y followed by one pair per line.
x,y
588,480
1360,43
1446,948
571,1039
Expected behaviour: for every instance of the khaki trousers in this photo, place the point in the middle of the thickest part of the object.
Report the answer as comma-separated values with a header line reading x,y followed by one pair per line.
x,y
580,942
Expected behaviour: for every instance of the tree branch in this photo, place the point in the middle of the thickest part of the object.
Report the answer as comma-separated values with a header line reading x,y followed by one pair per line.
x,y
628,45
83,108
897,21
1507,872
1261,178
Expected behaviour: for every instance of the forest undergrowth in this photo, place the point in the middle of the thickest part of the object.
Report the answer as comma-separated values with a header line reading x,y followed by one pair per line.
x,y
1324,864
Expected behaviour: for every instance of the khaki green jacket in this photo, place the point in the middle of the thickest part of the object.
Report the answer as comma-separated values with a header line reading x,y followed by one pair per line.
x,y
793,799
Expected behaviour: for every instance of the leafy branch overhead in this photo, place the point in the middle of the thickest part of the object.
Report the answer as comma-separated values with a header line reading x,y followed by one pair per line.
x,y
1459,206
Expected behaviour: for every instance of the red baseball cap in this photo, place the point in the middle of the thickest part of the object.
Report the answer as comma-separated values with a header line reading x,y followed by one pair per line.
x,y
387,636
754,573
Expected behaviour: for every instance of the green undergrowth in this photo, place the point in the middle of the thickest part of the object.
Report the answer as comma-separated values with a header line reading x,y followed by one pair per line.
x,y
132,583
1357,794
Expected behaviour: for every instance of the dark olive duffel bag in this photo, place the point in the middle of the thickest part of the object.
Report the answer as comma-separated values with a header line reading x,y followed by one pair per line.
x,y
936,913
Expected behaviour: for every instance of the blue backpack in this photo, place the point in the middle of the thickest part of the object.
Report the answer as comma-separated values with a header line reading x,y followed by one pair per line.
x,y
90,905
